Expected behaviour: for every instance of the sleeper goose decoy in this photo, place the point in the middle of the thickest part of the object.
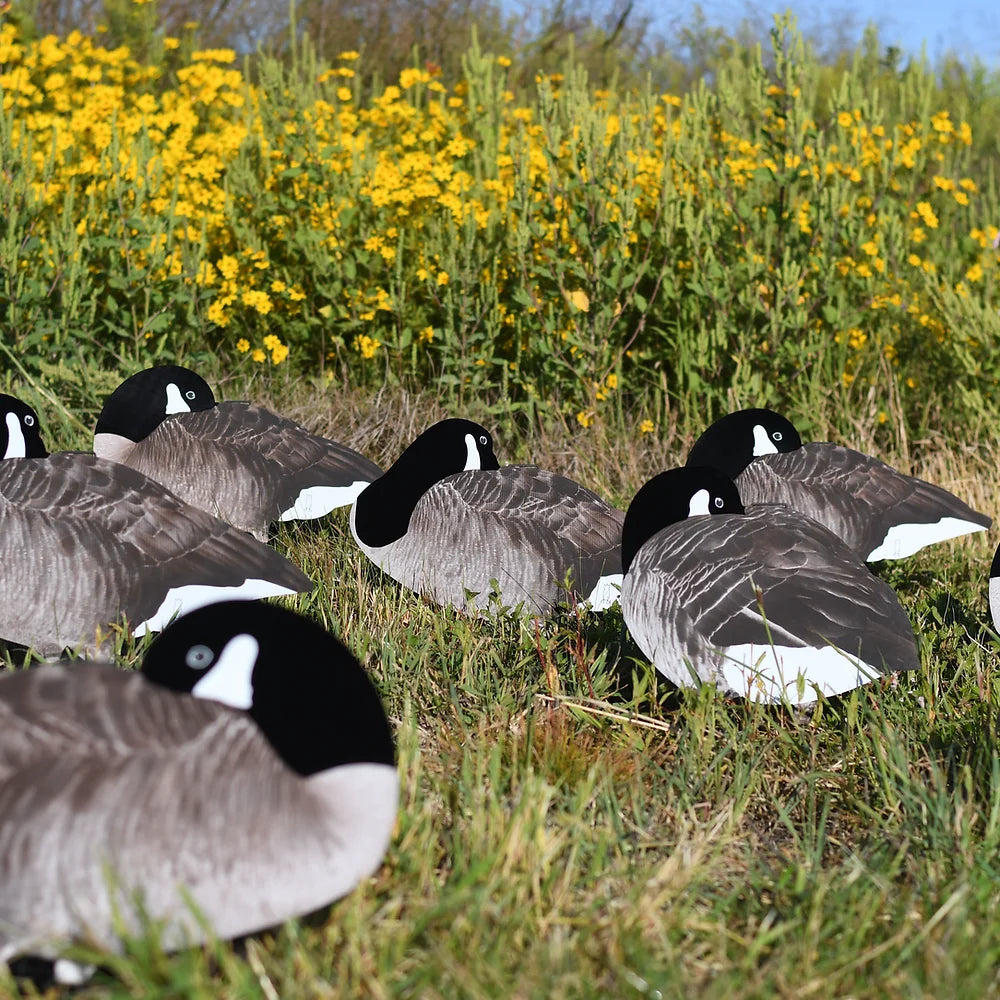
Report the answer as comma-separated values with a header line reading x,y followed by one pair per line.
x,y
238,461
762,601
85,542
879,512
447,522
253,782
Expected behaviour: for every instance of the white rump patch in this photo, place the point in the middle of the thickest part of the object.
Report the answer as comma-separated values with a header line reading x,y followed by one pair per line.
x,y
229,681
699,504
995,600
180,600
762,672
16,448
762,443
315,501
473,460
606,592
175,401
903,540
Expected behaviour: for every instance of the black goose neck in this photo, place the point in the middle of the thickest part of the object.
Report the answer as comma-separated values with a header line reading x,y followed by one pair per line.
x,y
383,510
667,499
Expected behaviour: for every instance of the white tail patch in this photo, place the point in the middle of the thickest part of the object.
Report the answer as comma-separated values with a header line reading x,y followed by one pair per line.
x,y
230,679
762,443
16,448
606,592
181,600
175,401
771,673
315,501
473,460
66,972
902,540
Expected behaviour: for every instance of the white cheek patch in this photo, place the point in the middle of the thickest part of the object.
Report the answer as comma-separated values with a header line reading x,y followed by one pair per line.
x,y
762,443
473,460
902,540
769,673
698,504
315,501
180,600
175,401
16,448
229,681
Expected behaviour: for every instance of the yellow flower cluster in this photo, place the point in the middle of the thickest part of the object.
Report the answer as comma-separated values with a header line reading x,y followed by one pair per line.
x,y
314,216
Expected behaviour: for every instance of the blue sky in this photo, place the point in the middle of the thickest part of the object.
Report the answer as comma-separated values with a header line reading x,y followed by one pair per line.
x,y
967,29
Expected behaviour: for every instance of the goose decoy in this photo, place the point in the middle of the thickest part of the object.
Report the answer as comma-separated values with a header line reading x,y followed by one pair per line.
x,y
237,461
879,512
86,542
447,522
231,777
762,601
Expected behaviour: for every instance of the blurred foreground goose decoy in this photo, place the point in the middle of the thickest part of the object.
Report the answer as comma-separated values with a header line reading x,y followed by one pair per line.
x,y
236,460
878,512
84,542
763,602
447,522
254,783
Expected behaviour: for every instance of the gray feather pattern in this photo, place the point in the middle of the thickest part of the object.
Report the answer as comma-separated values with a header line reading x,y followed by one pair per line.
x,y
769,575
102,771
856,496
85,541
520,526
244,463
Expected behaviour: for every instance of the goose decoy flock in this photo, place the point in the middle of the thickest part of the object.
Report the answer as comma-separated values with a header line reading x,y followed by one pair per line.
x,y
85,543
248,769
228,778
447,522
238,461
879,512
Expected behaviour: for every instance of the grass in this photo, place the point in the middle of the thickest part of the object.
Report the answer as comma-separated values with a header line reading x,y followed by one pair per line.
x,y
568,827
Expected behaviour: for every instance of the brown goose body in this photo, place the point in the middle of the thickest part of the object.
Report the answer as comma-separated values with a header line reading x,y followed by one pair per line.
x,y
879,512
120,794
238,461
518,531
85,542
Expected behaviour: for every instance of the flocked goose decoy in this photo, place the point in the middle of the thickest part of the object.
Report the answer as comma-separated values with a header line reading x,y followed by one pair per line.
x,y
763,602
236,460
447,522
85,542
879,512
254,783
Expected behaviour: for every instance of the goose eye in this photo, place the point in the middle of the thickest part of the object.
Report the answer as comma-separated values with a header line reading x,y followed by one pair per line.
x,y
29,420
776,436
199,657
190,394
718,501
482,439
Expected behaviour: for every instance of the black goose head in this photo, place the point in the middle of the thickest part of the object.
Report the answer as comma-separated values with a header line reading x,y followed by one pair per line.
x,y
382,511
20,434
734,441
673,496
310,697
139,405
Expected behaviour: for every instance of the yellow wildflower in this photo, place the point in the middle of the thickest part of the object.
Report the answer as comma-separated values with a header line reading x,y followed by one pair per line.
x,y
259,356
585,418
647,427
243,345
368,346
